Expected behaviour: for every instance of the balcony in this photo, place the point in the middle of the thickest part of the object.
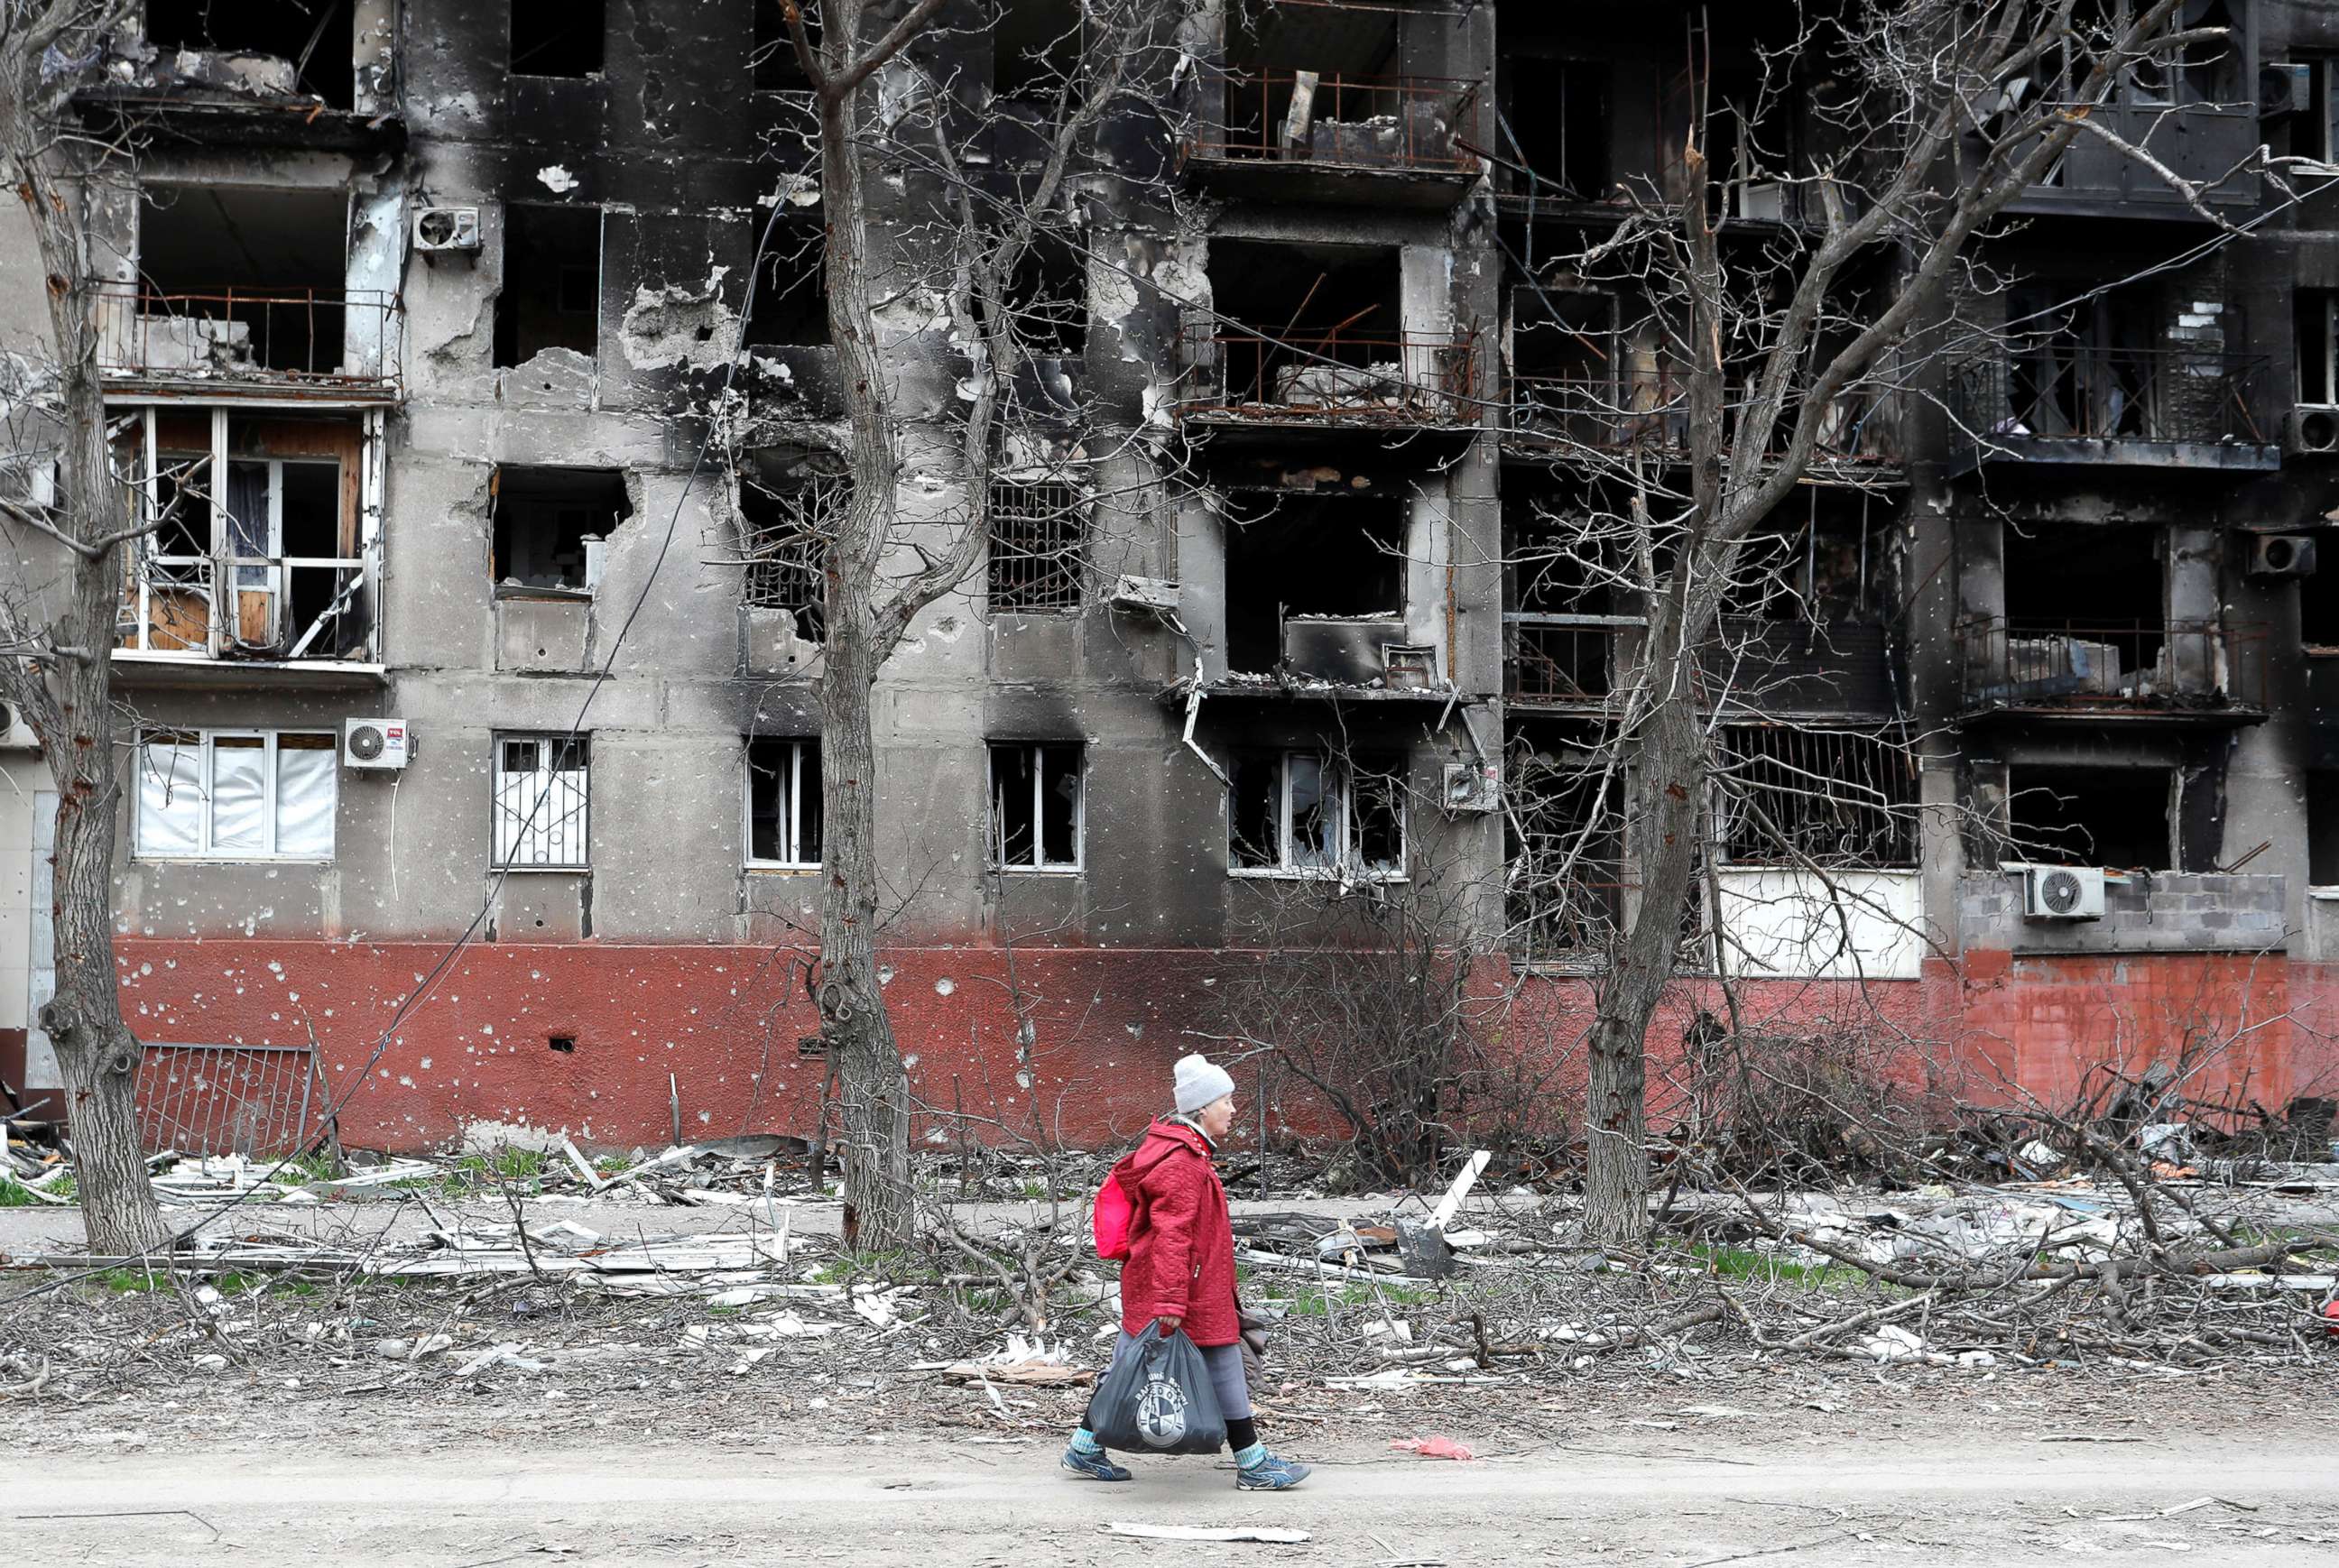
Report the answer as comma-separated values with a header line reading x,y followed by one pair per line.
x,y
282,620
1568,662
1593,418
1306,136
1330,381
309,344
2204,143
2062,403
2182,672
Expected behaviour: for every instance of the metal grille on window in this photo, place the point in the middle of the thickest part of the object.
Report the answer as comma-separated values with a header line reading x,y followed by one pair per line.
x,y
1036,535
1840,798
784,530
541,795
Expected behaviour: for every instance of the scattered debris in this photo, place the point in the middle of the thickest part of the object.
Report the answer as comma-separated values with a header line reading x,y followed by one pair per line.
x,y
1431,1448
1206,1532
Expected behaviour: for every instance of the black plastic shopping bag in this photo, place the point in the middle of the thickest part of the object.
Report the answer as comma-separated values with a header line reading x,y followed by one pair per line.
x,y
1158,1399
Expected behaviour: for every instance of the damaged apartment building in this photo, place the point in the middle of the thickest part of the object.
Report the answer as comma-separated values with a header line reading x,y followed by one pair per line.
x,y
413,315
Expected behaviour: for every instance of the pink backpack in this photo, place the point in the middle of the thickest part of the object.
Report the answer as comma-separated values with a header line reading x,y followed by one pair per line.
x,y
1114,1214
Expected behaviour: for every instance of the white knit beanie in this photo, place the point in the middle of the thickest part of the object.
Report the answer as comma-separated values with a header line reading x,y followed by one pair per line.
x,y
1200,1083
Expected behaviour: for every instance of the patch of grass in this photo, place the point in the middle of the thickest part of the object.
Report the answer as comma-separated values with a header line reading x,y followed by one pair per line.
x,y
890,1268
12,1195
305,1169
1317,1301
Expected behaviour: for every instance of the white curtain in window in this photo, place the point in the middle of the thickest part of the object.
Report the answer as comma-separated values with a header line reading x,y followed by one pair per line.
x,y
305,778
169,799
239,795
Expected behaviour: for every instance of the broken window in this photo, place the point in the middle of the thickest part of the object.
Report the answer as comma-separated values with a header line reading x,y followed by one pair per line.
x,y
2312,312
551,293
2323,827
1036,807
1832,798
238,279
2116,817
267,565
557,37
774,62
1306,813
541,795
1553,130
783,802
312,39
2315,134
2318,608
2118,648
1038,530
791,303
236,794
1564,365
1325,558
788,523
551,524
1308,326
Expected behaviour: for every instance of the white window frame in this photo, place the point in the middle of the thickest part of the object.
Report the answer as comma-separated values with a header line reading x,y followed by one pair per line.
x,y
1343,797
995,850
792,831
504,851
205,748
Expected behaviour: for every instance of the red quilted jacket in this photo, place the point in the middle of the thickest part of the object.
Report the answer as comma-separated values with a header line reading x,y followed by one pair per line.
x,y
1181,1249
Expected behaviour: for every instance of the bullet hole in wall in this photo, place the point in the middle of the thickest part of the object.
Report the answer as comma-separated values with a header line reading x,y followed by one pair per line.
x,y
564,1044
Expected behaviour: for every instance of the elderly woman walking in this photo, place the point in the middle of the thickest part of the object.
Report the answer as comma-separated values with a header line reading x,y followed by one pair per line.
x,y
1180,1272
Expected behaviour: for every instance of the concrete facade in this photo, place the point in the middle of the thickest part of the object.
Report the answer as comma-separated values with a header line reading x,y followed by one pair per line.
x,y
463,376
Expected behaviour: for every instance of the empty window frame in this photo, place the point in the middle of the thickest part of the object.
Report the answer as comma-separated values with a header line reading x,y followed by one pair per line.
x,y
551,293
541,798
1552,140
1297,814
2315,312
2116,817
1037,806
773,58
2315,134
1565,837
784,803
550,525
236,794
1841,799
790,306
786,527
1038,533
1339,556
557,37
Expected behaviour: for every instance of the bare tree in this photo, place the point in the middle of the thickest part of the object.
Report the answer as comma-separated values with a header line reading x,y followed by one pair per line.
x,y
958,271
56,638
1742,365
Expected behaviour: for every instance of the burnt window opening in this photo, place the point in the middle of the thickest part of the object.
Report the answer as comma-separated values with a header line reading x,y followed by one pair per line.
x,y
1326,557
1555,127
1036,48
783,802
557,37
2314,312
1299,322
2323,827
774,60
1818,572
2318,608
243,277
2115,817
1835,798
1561,634
791,304
787,523
551,293
2084,363
1037,559
1047,301
314,38
2105,641
1268,47
1302,812
1037,806
1563,840
551,526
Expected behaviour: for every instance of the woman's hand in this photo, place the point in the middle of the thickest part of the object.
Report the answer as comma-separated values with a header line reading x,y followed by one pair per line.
x,y
1169,1326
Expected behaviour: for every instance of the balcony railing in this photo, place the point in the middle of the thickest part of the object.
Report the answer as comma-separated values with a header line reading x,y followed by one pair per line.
x,y
1424,380
253,607
2110,668
1404,122
1596,414
1562,660
317,339
2017,403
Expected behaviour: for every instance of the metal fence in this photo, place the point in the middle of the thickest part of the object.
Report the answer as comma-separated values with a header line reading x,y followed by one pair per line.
x,y
324,336
1347,122
2113,665
213,1100
2059,390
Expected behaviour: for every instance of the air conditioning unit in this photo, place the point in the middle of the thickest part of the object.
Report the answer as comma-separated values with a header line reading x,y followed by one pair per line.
x,y
16,734
1473,787
2062,893
2282,556
375,743
2285,88
446,229
2310,429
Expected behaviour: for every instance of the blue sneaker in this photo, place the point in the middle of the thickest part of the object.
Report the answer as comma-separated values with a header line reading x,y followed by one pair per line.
x,y
1097,1466
1269,1475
